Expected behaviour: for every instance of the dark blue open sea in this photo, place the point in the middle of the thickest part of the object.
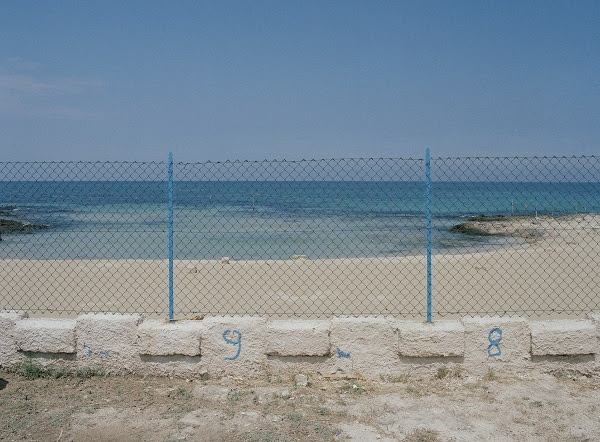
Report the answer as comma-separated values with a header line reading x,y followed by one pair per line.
x,y
265,220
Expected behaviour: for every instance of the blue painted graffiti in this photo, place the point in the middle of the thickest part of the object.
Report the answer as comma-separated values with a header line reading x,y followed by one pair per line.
x,y
89,350
341,354
90,353
494,342
237,342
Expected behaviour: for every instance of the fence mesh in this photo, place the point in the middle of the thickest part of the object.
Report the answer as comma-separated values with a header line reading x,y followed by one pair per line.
x,y
313,238
82,237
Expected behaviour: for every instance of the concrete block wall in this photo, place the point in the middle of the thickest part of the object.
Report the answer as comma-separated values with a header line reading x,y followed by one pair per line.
x,y
9,354
250,347
41,335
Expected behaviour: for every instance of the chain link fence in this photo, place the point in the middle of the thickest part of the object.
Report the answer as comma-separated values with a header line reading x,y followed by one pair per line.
x,y
311,238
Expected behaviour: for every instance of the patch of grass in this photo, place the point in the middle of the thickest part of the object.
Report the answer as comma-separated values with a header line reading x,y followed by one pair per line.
x,y
176,411
422,435
348,387
400,379
490,375
62,416
444,372
326,433
180,393
323,411
415,391
295,417
269,436
32,370
88,372
234,396
60,372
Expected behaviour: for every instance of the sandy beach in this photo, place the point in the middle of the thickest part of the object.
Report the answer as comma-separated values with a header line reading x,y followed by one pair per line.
x,y
550,271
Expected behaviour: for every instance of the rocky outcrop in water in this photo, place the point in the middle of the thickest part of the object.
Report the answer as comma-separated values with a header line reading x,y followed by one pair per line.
x,y
12,223
530,227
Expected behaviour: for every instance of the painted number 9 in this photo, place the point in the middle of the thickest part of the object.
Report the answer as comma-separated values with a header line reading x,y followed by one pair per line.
x,y
234,341
494,336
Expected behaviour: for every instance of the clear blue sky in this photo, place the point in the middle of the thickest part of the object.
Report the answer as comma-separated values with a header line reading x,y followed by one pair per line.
x,y
125,80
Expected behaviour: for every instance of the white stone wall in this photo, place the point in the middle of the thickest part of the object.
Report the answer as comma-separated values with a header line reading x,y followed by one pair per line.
x,y
251,346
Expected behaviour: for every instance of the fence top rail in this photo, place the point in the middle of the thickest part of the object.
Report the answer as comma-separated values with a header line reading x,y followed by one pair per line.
x,y
308,160
520,157
108,163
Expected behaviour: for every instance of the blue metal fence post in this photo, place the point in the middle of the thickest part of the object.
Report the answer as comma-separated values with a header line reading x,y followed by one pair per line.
x,y
428,227
170,204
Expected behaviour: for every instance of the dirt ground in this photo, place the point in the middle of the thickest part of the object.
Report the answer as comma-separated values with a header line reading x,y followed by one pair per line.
x,y
553,405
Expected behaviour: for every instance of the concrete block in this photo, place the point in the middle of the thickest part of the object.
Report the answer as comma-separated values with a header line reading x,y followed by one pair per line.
x,y
46,335
364,345
234,345
108,340
436,339
495,340
297,338
8,347
160,338
563,337
595,318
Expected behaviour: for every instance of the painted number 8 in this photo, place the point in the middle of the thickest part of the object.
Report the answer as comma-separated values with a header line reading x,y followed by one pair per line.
x,y
494,336
237,342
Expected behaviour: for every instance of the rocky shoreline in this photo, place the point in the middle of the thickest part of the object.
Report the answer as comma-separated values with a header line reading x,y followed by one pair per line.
x,y
529,227
16,223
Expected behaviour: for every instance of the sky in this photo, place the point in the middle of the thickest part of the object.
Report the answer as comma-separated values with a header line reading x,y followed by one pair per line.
x,y
224,80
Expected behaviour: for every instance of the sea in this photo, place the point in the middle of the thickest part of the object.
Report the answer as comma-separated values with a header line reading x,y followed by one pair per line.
x,y
246,220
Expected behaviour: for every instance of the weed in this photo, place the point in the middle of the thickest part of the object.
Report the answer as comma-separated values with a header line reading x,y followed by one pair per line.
x,y
325,432
295,417
400,379
442,372
322,411
32,370
176,411
182,393
422,435
490,375
59,372
411,389
348,387
269,436
537,404
235,395
88,372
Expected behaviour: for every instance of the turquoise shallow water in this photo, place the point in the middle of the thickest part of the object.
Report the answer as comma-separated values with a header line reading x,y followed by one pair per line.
x,y
265,219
